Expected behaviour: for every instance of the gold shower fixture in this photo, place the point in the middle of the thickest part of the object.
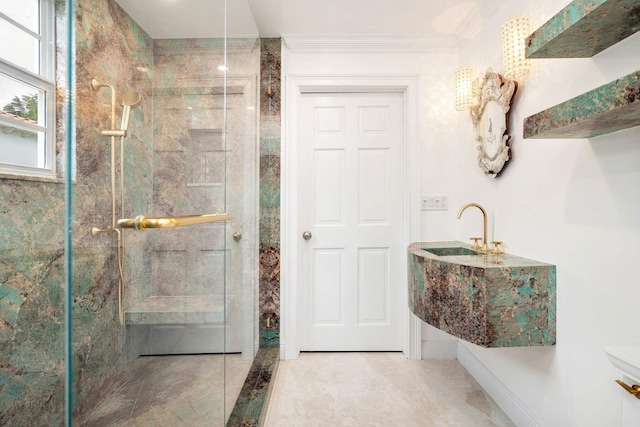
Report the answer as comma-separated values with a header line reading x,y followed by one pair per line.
x,y
142,223
128,99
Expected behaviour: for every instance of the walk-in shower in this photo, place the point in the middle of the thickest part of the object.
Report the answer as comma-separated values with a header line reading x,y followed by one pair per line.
x,y
129,239
164,222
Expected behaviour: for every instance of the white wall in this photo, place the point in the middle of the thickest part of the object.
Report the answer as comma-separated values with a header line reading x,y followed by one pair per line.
x,y
571,202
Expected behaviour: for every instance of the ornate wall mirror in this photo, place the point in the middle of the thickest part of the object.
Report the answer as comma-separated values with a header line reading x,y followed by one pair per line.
x,y
490,117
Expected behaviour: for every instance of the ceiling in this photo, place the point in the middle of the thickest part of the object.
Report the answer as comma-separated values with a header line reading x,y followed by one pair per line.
x,y
273,18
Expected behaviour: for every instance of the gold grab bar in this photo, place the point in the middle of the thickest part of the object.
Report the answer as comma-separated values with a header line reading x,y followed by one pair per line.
x,y
141,222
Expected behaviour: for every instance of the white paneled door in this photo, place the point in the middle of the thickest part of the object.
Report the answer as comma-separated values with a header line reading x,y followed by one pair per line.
x,y
350,201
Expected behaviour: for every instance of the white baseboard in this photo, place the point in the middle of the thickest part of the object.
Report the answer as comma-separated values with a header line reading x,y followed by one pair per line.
x,y
504,398
440,349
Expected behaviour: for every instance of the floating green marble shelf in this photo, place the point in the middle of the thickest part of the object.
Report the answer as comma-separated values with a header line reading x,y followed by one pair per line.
x,y
609,108
585,28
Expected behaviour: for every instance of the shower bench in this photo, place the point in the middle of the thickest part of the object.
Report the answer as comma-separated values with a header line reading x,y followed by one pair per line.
x,y
162,325
157,310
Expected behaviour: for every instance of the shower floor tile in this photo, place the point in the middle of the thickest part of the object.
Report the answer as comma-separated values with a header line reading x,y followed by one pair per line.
x,y
378,390
175,391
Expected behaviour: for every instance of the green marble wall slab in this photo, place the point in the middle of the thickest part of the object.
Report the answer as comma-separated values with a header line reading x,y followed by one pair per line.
x,y
584,28
113,49
608,108
269,287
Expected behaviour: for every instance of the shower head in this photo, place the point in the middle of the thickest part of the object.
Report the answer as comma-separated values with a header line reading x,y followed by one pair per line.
x,y
128,99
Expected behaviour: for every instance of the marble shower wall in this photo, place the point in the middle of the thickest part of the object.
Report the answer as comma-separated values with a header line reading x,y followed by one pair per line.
x,y
109,47
113,49
270,96
199,164
189,159
31,302
205,162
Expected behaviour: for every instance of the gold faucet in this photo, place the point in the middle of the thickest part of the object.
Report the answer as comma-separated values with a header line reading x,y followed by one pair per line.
x,y
485,247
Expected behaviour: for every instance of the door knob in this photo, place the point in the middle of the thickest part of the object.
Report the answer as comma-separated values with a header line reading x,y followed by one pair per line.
x,y
237,236
307,235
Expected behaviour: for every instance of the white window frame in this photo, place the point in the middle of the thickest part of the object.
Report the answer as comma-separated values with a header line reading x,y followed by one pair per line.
x,y
43,81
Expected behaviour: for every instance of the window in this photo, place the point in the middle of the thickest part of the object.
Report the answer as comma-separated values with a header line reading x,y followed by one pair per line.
x,y
27,96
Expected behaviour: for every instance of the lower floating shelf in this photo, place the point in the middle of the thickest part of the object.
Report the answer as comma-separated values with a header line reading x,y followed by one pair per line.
x,y
609,108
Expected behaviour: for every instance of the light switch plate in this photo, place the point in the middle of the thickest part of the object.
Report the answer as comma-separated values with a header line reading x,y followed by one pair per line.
x,y
435,202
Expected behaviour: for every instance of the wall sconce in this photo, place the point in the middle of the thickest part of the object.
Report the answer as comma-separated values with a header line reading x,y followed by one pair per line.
x,y
514,36
463,84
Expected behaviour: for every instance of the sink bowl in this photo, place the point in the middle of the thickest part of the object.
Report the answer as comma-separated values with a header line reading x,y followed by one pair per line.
x,y
451,251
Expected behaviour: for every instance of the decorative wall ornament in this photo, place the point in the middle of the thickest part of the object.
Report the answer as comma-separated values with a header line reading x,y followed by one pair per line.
x,y
490,117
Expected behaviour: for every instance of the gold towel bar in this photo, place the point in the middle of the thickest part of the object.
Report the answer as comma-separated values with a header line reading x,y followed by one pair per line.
x,y
141,222
634,389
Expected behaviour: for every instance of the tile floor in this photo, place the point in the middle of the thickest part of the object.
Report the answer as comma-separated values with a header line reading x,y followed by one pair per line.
x,y
170,391
378,389
318,389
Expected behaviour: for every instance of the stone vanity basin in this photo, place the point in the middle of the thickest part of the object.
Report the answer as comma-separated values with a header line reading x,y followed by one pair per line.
x,y
454,250
489,300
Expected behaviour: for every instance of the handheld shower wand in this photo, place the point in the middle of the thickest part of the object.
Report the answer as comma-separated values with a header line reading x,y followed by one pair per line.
x,y
128,99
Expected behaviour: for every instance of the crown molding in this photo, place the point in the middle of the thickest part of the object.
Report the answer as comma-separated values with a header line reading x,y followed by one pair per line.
x,y
239,44
370,43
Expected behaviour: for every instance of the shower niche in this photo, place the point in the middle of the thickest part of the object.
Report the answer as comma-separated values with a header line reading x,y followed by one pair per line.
x,y
206,157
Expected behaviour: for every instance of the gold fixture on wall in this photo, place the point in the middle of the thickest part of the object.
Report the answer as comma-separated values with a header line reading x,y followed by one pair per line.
x,y
142,223
463,82
514,35
128,100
